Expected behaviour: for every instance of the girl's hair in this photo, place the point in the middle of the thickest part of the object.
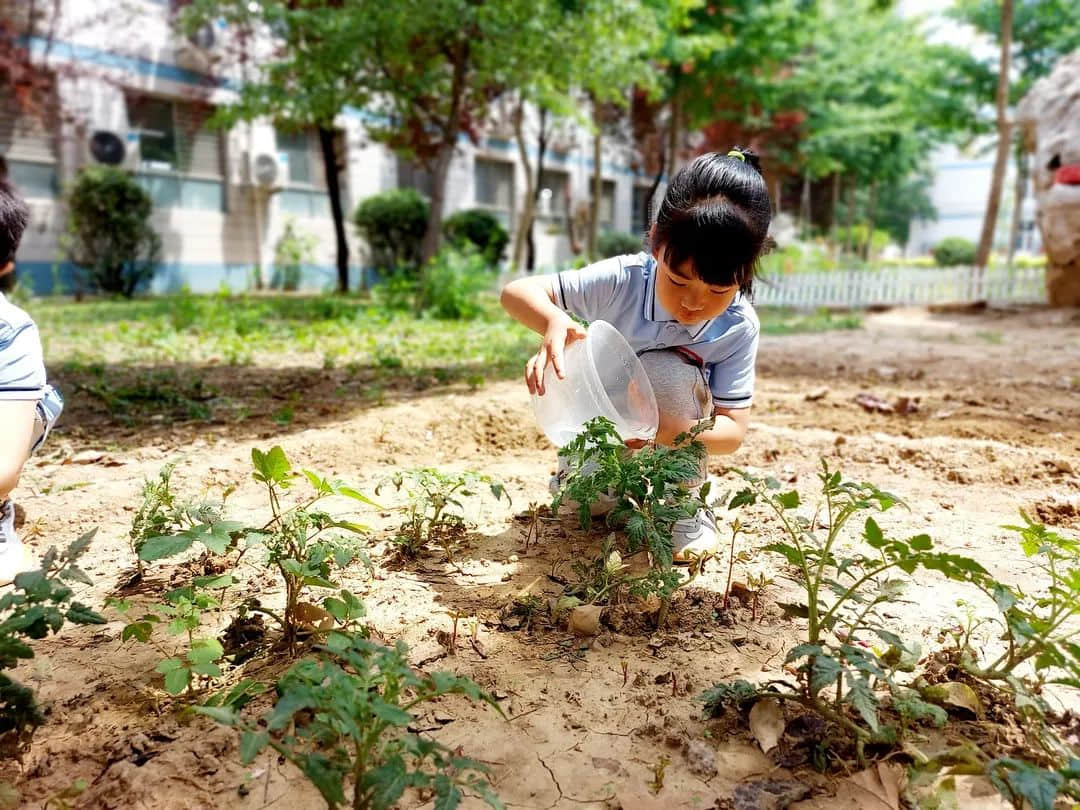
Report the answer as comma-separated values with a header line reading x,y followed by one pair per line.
x,y
715,215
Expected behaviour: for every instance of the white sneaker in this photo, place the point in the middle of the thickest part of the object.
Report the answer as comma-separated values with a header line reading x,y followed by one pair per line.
x,y
604,502
695,537
14,558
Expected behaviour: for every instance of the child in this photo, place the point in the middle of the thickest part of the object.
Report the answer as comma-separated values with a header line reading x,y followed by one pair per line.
x,y
28,407
684,306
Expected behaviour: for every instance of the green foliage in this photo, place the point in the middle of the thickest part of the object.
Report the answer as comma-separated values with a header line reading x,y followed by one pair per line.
x,y
478,230
841,669
954,250
452,285
109,235
617,243
393,224
434,513
1020,782
38,604
294,248
343,719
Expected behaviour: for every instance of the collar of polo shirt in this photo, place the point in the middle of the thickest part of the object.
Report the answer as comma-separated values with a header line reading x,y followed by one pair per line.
x,y
655,311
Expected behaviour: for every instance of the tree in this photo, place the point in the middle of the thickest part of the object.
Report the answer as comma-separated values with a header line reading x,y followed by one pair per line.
x,y
1004,126
303,83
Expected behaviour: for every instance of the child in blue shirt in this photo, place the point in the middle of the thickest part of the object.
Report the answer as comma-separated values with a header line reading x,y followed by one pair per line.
x,y
684,306
28,406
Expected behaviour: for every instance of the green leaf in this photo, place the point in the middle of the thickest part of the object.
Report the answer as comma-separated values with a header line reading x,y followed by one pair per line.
x,y
389,713
789,500
875,538
320,484
251,743
273,466
803,651
1037,785
793,610
921,542
140,631
205,650
349,492
326,778
744,497
81,614
77,548
862,698
214,582
825,671
168,665
163,546
76,574
225,716
177,680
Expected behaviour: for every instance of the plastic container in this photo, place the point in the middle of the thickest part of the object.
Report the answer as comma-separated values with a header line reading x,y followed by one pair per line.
x,y
603,378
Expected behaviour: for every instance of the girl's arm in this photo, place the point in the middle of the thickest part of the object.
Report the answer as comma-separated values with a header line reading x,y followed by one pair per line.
x,y
724,437
531,301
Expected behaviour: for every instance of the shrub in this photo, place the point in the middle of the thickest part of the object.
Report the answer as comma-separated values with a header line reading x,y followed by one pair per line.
x,y
954,250
393,224
451,287
617,243
478,229
294,247
109,233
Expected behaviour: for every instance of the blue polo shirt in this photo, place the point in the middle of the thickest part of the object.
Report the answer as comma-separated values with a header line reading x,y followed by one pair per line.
x,y
22,369
622,291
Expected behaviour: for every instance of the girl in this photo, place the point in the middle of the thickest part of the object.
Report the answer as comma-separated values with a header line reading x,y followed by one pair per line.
x,y
683,305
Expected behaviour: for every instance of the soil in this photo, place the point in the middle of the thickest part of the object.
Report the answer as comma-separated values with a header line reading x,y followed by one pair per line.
x,y
985,421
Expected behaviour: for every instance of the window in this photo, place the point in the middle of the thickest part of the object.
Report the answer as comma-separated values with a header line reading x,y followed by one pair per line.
x,y
296,149
27,151
495,187
638,210
414,176
180,162
553,186
33,179
605,215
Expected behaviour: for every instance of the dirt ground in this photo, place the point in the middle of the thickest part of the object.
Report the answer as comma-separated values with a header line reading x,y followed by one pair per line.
x,y
995,428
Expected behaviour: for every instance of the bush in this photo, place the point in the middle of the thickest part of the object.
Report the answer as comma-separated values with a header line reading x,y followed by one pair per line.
x,y
617,243
294,248
451,287
393,224
954,250
478,229
109,234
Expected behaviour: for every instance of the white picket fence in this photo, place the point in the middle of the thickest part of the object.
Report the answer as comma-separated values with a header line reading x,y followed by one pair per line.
x,y
902,286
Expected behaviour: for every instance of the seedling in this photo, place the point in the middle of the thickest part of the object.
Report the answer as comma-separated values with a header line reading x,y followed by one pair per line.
x,y
342,718
650,492
434,513
38,604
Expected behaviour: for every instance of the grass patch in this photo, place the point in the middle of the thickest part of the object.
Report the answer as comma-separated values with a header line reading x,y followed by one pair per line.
x,y
791,322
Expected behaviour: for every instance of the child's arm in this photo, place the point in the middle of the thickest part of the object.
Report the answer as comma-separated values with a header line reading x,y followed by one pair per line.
x,y
531,301
17,416
722,438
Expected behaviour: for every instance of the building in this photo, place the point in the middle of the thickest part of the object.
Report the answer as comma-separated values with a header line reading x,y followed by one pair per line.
x,y
222,198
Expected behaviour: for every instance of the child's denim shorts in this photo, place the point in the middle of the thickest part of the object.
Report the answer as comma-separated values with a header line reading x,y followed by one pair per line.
x,y
48,411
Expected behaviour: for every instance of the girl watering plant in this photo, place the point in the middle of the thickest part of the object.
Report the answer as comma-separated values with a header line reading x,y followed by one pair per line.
x,y
683,305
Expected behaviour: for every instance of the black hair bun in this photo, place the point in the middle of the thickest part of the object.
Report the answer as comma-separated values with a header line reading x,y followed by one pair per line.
x,y
750,156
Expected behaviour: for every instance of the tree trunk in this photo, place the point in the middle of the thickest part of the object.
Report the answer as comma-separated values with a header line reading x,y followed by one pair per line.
x,y
871,216
1018,198
333,189
525,220
986,239
598,183
804,207
541,150
834,208
450,130
849,237
647,212
673,135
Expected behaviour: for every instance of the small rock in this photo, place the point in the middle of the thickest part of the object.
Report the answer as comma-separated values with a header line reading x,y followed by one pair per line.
x,y
701,759
839,441
513,558
817,394
769,794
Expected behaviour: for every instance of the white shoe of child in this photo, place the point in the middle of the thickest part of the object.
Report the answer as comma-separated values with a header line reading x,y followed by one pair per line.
x,y
694,537
14,557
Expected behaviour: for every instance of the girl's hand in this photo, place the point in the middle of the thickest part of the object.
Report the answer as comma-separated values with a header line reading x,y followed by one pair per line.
x,y
561,332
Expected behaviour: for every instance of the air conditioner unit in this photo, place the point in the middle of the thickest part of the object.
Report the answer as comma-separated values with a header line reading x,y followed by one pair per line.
x,y
110,148
266,170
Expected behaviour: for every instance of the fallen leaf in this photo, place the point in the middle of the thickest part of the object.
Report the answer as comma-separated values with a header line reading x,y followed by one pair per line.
x,y
767,723
612,766
312,616
956,695
817,394
585,620
876,788
86,457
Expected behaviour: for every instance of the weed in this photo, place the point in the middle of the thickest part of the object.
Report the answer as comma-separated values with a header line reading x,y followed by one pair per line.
x,y
433,511
39,603
343,720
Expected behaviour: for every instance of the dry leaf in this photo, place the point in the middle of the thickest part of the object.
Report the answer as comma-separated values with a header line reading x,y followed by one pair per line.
x,y
876,788
767,723
312,616
956,695
585,620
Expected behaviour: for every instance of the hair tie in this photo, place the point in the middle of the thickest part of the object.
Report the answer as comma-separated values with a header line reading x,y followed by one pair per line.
x,y
735,153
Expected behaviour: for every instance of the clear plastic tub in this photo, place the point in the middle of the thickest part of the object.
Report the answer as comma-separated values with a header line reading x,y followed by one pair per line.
x,y
603,378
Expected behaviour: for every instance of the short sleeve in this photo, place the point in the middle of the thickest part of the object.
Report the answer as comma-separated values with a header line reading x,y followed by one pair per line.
x,y
22,370
591,291
732,379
